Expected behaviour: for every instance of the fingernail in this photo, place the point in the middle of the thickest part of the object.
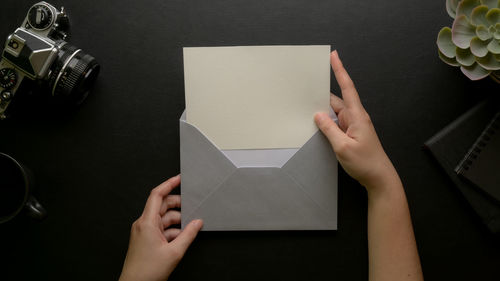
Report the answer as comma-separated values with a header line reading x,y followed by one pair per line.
x,y
197,223
319,117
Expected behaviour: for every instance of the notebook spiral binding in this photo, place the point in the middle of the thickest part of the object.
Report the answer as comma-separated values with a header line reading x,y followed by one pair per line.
x,y
492,128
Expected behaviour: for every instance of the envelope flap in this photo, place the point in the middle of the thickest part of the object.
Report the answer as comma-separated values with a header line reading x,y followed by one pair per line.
x,y
202,166
261,199
314,167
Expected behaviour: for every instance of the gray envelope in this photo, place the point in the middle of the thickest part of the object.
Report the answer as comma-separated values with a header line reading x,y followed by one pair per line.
x,y
297,193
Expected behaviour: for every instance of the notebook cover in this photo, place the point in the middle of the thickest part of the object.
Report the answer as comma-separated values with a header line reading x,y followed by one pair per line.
x,y
449,147
482,162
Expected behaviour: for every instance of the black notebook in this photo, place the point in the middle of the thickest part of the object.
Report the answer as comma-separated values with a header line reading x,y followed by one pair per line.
x,y
481,165
450,145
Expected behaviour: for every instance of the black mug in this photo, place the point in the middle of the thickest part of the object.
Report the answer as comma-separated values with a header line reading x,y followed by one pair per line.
x,y
16,187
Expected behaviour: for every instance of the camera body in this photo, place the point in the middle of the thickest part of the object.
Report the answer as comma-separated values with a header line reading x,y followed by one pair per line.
x,y
37,50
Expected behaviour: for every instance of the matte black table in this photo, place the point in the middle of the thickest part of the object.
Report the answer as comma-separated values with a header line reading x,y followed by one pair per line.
x,y
95,167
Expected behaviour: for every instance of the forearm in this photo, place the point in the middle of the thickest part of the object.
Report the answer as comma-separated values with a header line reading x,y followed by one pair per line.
x,y
392,248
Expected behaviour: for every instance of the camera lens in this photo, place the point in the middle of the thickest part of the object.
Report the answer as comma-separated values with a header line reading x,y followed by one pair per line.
x,y
73,74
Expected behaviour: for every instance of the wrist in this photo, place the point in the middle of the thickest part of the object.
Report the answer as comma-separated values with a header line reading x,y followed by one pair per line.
x,y
383,182
129,274
125,276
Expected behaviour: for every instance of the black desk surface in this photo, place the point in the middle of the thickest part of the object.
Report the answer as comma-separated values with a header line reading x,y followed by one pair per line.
x,y
95,167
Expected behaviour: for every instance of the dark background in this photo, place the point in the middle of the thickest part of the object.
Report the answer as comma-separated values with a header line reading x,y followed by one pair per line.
x,y
95,167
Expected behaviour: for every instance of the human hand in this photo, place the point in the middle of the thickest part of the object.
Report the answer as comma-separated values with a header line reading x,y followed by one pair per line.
x,y
154,249
354,140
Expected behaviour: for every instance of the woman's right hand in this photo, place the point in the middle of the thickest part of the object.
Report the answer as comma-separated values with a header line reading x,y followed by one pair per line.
x,y
392,251
354,140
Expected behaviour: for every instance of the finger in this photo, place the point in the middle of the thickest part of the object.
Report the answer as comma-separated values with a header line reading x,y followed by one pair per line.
x,y
153,205
171,233
171,201
170,218
329,128
336,103
349,93
186,237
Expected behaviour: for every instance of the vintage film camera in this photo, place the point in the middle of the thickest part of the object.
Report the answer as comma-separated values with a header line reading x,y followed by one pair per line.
x,y
38,51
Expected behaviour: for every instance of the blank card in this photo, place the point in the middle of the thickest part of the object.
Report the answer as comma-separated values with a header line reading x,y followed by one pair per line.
x,y
256,97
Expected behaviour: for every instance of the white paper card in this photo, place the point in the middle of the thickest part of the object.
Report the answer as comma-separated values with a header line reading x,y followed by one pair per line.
x,y
256,97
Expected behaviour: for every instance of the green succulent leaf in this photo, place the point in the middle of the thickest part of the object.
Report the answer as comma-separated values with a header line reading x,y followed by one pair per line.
x,y
447,60
497,34
494,47
489,62
495,30
465,57
492,31
462,32
483,32
478,15
478,47
491,3
465,7
493,16
451,7
475,72
445,44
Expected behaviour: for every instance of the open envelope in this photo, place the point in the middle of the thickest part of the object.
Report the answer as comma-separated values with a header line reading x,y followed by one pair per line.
x,y
271,189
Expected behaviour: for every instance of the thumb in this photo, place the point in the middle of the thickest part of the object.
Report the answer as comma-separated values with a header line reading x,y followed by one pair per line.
x,y
329,128
187,236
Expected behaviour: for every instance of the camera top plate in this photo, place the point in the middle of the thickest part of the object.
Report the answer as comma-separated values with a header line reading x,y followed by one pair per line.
x,y
33,55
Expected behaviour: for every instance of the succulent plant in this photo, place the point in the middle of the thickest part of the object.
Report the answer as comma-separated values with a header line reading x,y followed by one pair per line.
x,y
473,42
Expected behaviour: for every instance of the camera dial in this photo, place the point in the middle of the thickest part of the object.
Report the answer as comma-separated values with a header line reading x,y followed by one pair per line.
x,y
40,17
8,78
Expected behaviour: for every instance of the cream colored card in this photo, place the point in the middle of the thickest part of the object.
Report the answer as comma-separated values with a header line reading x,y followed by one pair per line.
x,y
256,97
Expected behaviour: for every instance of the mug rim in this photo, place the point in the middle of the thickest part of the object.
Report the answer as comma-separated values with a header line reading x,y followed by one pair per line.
x,y
26,188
